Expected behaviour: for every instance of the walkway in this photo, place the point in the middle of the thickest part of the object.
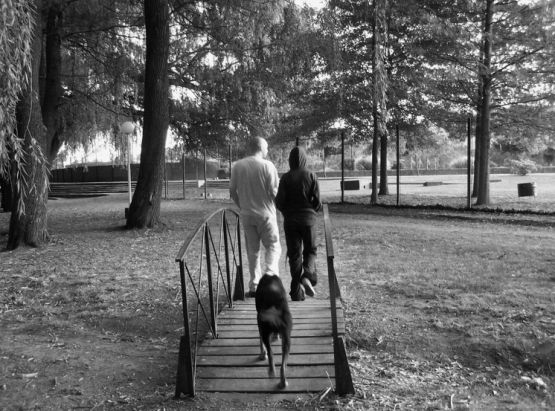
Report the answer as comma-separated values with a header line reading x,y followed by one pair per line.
x,y
230,362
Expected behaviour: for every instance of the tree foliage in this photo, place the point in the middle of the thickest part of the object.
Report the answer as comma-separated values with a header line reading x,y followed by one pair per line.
x,y
17,19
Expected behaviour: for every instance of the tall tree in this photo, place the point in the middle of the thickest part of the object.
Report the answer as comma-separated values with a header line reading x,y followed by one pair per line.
x,y
380,99
375,98
485,81
28,222
144,210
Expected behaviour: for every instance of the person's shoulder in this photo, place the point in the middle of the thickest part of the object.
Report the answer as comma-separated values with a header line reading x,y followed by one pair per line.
x,y
242,161
268,163
286,175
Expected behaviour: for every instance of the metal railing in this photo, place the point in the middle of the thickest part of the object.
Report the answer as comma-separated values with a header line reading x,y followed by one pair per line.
x,y
206,263
343,379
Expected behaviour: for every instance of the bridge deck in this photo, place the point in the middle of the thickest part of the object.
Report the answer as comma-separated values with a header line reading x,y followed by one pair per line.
x,y
230,363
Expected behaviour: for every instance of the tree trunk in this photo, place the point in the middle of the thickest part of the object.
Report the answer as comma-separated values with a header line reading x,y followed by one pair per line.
x,y
28,220
483,186
52,68
382,103
477,151
384,190
374,195
6,190
479,101
145,206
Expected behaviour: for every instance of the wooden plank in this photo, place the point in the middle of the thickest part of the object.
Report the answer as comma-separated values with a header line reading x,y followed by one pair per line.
x,y
255,341
298,333
320,312
254,327
304,307
255,349
292,307
253,360
262,385
262,371
252,320
309,312
305,303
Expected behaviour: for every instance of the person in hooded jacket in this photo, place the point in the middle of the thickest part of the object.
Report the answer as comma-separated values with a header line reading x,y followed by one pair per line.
x,y
298,199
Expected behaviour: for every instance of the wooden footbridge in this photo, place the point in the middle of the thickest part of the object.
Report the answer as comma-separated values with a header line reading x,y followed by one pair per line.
x,y
220,347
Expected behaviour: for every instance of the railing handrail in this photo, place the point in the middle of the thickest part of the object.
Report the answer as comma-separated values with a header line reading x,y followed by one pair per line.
x,y
186,367
186,244
343,379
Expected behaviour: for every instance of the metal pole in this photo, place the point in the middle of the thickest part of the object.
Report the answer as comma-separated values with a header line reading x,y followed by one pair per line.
x,y
468,168
185,381
324,162
129,165
205,181
210,283
230,160
183,161
398,161
239,293
227,263
342,166
297,141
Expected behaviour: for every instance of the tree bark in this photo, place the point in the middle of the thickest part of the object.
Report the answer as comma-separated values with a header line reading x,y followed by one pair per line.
x,y
384,189
51,96
6,190
28,225
375,139
479,102
382,104
144,210
477,150
486,77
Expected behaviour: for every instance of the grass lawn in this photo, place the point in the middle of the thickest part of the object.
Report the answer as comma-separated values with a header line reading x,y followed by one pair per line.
x,y
444,310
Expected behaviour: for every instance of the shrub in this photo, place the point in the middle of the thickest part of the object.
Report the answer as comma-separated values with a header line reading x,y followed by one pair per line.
x,y
522,167
458,163
349,164
364,164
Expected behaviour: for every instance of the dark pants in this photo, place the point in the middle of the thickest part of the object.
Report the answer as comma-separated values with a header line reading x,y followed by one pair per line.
x,y
301,252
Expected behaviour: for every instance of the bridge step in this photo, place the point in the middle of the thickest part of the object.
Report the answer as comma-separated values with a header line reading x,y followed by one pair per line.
x,y
230,363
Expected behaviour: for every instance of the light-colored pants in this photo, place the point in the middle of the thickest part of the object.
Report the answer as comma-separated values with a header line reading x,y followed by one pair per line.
x,y
263,230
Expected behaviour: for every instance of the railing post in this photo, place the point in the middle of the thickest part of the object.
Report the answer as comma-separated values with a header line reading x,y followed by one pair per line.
x,y
209,274
227,268
185,382
239,293
343,379
186,367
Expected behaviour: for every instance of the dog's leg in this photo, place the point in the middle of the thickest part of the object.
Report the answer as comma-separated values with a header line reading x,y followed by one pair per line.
x,y
283,370
262,355
285,347
268,346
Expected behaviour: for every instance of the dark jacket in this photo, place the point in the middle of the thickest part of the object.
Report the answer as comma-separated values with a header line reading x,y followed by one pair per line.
x,y
298,196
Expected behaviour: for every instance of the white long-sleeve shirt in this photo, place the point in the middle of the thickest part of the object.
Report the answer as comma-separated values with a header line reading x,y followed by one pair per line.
x,y
254,184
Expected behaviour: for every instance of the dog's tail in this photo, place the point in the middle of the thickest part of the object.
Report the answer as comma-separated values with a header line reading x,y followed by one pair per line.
x,y
272,317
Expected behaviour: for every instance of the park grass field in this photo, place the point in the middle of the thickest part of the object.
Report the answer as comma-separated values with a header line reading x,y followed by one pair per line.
x,y
443,310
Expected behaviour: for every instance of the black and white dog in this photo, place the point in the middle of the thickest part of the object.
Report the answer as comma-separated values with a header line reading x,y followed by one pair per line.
x,y
274,318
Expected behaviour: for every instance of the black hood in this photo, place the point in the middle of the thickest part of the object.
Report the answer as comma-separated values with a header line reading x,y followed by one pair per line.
x,y
297,158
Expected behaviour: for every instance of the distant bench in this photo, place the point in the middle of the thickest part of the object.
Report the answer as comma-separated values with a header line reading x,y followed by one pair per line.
x,y
349,184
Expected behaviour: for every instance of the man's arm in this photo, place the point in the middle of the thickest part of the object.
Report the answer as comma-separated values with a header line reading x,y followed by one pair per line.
x,y
281,196
233,186
273,181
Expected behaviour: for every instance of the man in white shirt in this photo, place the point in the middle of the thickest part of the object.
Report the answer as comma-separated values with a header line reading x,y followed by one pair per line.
x,y
253,187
